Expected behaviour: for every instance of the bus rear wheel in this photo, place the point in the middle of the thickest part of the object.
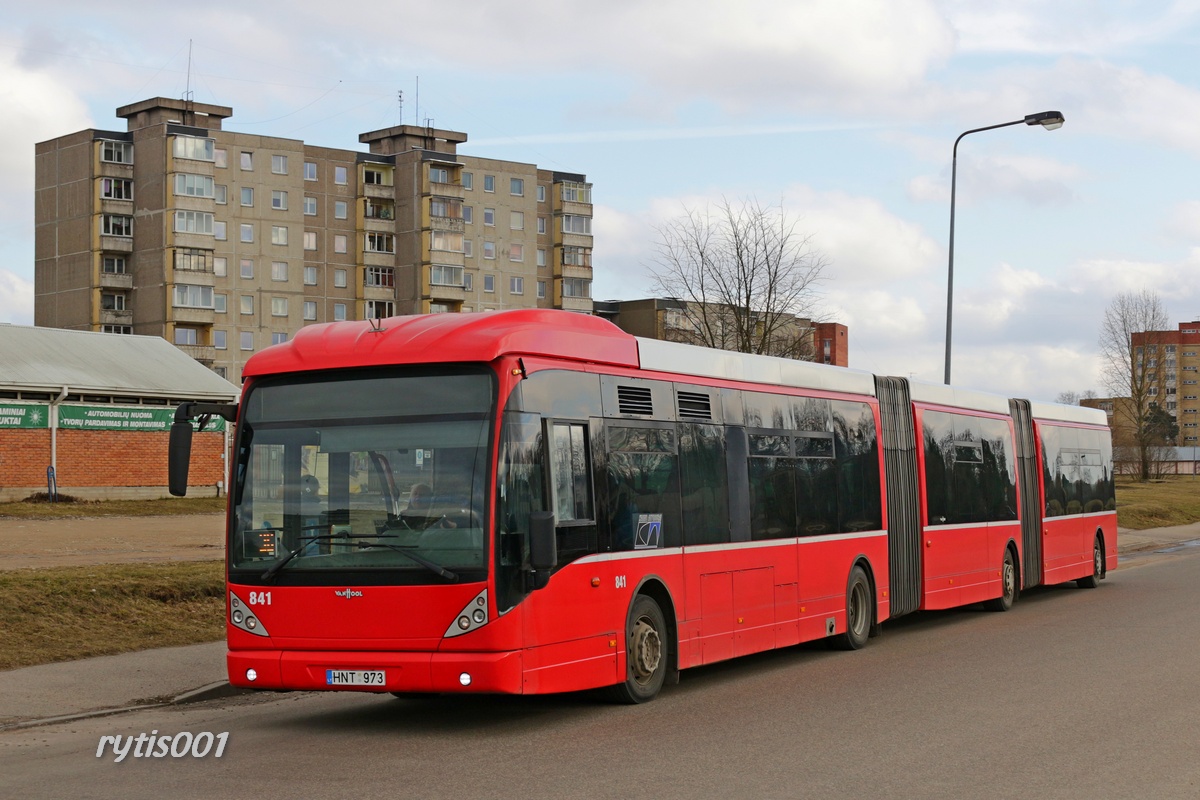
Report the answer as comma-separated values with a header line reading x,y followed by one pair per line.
x,y
859,607
1093,580
1008,584
646,651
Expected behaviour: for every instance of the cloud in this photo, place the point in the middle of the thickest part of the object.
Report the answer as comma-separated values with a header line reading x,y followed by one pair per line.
x,y
16,298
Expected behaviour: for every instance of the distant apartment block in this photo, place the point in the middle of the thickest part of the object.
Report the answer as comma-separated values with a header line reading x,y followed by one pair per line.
x,y
225,243
1172,358
666,319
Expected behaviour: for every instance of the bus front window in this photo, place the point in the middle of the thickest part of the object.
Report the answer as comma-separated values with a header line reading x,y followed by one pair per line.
x,y
383,474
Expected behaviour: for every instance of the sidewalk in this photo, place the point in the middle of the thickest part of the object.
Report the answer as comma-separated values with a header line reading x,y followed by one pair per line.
x,y
33,695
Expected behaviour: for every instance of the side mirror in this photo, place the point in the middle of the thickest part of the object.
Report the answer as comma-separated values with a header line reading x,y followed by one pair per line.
x,y
543,547
179,457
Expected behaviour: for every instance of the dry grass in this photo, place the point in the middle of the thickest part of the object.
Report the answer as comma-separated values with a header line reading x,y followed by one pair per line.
x,y
113,508
1158,504
67,613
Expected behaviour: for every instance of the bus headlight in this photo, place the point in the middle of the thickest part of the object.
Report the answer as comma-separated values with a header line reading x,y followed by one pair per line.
x,y
473,616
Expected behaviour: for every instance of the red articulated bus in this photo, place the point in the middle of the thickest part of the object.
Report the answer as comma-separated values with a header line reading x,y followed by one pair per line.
x,y
535,501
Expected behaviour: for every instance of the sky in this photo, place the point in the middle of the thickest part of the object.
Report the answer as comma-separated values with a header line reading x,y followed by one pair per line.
x,y
842,113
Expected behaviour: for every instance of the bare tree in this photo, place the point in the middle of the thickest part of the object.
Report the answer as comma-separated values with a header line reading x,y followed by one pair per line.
x,y
744,274
1133,351
1073,398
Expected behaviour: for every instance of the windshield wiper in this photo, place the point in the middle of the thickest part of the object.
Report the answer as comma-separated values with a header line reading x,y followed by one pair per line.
x,y
304,542
432,566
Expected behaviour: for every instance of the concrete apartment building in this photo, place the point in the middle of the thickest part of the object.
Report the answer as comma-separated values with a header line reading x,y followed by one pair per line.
x,y
666,319
225,243
1173,359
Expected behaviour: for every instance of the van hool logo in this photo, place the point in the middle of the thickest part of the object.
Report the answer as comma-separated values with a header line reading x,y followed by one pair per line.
x,y
347,593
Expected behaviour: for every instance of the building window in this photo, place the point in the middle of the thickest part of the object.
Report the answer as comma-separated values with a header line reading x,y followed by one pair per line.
x,y
468,213
310,170
220,302
220,158
516,186
247,195
247,268
247,161
247,340
247,232
377,209
576,256
516,285
439,308
279,234
278,338
489,249
195,148
247,304
187,296
380,277
193,260
340,176
489,183
445,240
310,276
468,180
279,270
541,287
339,279
468,248
114,265
116,225
339,243
339,312
219,231
279,200
126,329
577,287
374,176
489,283
279,306
193,222
516,220
516,252
541,194
489,216
541,257
541,225
279,165
187,336
439,175
310,206
221,266
116,152
122,188
220,193
339,209
573,223
381,242
440,275
112,302
378,309
445,208
468,281
310,240
577,192
310,310
219,340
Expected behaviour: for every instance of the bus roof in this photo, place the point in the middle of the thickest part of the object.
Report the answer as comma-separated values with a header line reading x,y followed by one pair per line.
x,y
1056,412
444,338
957,397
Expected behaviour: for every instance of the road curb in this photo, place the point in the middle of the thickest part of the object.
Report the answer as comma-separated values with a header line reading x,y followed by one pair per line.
x,y
211,691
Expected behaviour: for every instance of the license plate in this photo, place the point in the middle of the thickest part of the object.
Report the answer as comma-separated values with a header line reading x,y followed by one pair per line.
x,y
355,677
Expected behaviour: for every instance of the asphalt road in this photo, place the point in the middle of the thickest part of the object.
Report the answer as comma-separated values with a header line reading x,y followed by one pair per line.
x,y
1074,693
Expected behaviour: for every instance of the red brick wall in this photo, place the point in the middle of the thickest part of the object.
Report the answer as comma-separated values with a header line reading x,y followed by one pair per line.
x,y
103,458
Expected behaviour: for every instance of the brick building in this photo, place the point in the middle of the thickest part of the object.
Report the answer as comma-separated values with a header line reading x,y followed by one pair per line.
x,y
97,408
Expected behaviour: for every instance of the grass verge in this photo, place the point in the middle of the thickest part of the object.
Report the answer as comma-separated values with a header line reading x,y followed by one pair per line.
x,y
113,508
65,613
1158,504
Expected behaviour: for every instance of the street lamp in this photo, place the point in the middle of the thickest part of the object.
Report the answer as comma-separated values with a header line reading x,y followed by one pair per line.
x,y
1050,120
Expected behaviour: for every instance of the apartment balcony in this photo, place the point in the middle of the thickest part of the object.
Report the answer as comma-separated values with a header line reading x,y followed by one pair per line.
x,y
110,316
203,316
577,304
445,190
573,208
111,206
379,293
205,354
116,244
440,293
379,224
116,280
450,224
379,191
370,258
573,271
576,239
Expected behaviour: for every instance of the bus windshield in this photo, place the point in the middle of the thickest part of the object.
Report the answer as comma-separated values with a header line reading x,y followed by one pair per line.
x,y
381,474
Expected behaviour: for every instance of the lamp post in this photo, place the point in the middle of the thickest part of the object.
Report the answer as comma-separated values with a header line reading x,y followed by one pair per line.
x,y
1050,120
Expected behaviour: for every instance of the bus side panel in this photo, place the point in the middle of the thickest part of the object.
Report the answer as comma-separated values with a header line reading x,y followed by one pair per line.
x,y
1072,538
824,569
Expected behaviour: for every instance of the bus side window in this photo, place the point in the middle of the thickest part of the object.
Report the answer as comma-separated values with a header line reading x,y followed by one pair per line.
x,y
571,484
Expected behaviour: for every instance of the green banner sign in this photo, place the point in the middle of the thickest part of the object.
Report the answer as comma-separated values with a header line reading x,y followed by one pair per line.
x,y
118,418
14,415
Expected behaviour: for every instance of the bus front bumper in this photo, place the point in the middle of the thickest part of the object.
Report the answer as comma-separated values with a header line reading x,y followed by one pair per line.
x,y
370,671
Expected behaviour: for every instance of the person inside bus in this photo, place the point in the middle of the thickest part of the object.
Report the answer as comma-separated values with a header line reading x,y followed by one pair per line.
x,y
419,511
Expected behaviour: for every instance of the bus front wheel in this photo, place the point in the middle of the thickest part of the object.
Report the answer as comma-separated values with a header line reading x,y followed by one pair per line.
x,y
646,650
859,607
